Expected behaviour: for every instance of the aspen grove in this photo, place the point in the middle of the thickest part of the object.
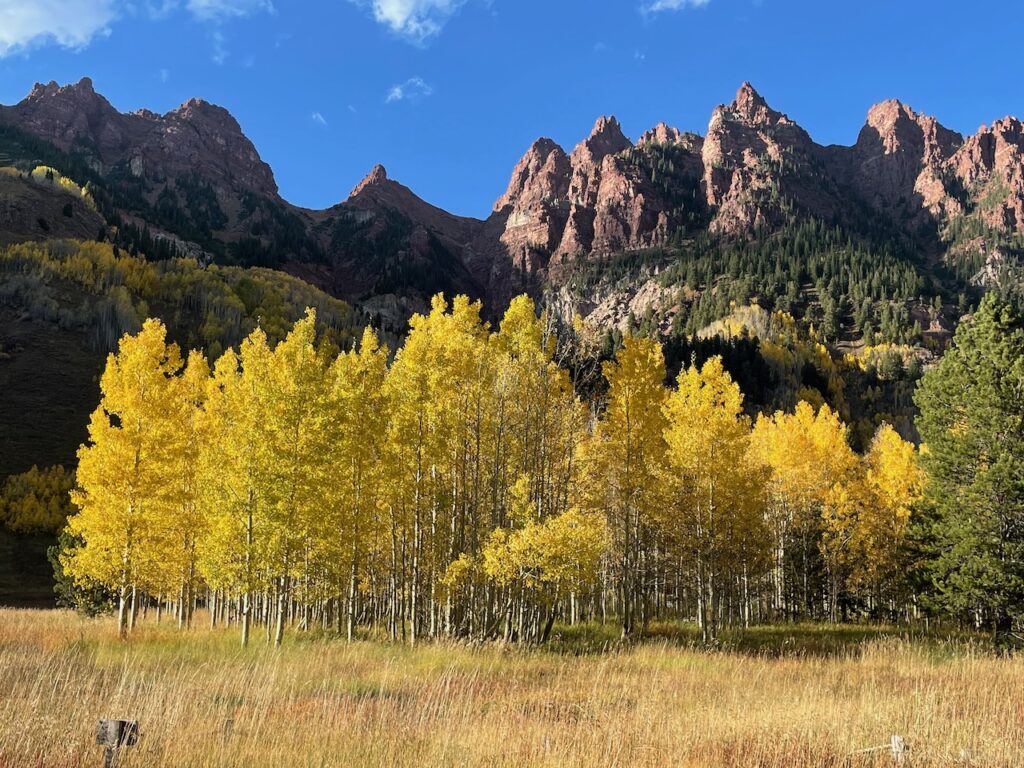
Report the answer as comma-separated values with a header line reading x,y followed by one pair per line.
x,y
462,488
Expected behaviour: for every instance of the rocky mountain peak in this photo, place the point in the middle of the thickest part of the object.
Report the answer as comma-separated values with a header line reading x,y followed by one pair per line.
x,y
899,128
750,105
605,139
992,161
750,109
542,174
80,96
662,133
82,89
897,160
377,176
202,110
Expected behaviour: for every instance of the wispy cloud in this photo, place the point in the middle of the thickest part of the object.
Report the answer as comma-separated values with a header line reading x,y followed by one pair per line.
x,y
412,89
220,48
165,74
318,118
415,20
219,10
672,5
68,23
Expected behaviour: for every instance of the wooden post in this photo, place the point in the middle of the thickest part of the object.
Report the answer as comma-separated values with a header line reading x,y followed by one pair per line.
x,y
899,749
112,735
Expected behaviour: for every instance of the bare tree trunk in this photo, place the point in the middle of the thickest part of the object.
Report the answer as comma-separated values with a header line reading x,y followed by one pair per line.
x,y
135,609
122,612
246,617
282,607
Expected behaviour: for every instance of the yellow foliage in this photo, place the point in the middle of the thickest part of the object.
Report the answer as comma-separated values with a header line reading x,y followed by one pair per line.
x,y
36,501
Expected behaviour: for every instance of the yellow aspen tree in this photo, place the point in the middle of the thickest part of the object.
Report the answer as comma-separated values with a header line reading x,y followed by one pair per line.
x,y
462,378
37,501
125,478
895,483
550,559
412,448
236,471
358,407
842,511
808,453
542,419
185,519
623,460
716,492
538,423
294,432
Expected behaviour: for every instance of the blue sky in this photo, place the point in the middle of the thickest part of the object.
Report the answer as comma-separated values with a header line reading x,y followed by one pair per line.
x,y
449,93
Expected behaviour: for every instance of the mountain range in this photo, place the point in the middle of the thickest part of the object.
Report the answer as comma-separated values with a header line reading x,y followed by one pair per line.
x,y
195,181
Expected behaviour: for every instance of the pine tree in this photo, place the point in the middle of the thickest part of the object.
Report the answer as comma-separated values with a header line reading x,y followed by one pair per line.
x,y
972,424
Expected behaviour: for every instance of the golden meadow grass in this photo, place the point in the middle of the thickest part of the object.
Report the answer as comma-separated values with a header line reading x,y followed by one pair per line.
x,y
322,702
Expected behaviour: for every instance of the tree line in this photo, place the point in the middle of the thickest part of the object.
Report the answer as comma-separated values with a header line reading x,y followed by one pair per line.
x,y
462,488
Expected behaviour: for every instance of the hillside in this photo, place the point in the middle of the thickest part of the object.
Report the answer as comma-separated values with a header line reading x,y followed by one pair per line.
x,y
189,182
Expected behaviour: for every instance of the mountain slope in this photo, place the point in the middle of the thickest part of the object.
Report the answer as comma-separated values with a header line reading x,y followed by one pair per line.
x,y
189,181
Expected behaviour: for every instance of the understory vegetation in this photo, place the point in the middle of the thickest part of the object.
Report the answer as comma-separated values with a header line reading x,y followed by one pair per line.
x,y
105,292
780,696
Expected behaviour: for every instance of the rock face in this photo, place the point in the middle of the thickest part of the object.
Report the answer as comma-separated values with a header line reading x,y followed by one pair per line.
x,y
196,138
535,208
755,159
390,250
916,171
896,164
593,165
990,165
663,134
593,201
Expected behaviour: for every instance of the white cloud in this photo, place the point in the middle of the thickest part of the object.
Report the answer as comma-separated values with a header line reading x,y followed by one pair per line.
x,y
318,118
75,23
412,89
218,10
165,75
673,5
68,23
416,20
220,48
160,9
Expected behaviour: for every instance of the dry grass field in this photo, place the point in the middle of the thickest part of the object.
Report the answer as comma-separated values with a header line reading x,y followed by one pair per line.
x,y
803,696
